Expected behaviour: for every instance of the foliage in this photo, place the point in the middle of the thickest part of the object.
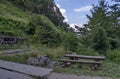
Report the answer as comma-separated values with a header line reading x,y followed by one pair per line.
x,y
11,27
103,29
47,8
114,55
71,42
99,15
100,41
19,58
114,43
44,31
82,50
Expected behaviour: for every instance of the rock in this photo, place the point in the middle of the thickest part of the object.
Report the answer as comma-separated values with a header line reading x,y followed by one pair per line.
x,y
41,60
52,64
29,60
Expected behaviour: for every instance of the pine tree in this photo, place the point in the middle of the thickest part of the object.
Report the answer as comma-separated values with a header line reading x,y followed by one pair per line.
x,y
99,15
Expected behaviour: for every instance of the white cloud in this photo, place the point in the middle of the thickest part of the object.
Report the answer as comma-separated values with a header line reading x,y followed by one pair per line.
x,y
63,11
83,9
73,25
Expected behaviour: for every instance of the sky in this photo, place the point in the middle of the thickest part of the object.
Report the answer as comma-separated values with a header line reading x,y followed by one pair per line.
x,y
75,11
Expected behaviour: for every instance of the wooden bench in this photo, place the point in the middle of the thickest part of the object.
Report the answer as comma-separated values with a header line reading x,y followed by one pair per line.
x,y
83,59
76,57
94,64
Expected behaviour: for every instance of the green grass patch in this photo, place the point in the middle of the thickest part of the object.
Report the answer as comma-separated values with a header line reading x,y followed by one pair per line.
x,y
108,69
10,11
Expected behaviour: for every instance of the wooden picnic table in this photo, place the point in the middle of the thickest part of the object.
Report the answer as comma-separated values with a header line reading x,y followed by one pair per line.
x,y
25,69
94,61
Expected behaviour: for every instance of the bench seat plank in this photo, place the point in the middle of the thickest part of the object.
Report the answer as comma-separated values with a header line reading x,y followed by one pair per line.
x,y
79,61
26,69
86,57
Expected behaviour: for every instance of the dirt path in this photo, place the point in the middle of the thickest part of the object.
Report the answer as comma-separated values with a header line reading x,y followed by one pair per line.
x,y
68,76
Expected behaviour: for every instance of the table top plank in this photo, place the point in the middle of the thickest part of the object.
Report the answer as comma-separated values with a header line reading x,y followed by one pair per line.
x,y
26,69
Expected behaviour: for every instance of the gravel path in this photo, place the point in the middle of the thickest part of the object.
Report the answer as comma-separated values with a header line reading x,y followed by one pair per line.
x,y
68,76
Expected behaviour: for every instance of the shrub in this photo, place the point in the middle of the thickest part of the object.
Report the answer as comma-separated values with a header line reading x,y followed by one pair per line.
x,y
86,51
114,55
71,42
44,31
100,40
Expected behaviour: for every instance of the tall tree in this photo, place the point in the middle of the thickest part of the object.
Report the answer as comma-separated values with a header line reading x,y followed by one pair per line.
x,y
99,15
100,41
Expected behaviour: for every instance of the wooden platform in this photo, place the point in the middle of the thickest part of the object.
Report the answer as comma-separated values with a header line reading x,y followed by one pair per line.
x,y
5,74
16,51
25,69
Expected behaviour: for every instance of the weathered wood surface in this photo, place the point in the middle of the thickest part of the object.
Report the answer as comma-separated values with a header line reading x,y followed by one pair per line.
x,y
25,69
16,51
5,74
79,61
85,57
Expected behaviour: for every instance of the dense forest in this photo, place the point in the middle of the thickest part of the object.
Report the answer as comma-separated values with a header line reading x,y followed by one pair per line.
x,y
42,22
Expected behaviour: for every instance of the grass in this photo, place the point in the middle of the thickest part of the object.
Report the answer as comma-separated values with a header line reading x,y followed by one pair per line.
x,y
10,11
53,53
108,68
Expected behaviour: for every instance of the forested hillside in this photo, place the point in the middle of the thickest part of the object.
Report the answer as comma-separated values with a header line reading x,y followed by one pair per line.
x,y
39,20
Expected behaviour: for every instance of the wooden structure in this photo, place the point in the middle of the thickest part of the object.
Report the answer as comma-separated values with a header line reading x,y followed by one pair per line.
x,y
94,61
25,69
16,51
9,41
95,58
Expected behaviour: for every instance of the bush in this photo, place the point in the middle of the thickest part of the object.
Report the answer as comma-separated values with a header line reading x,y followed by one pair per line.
x,y
71,42
44,31
114,55
11,27
86,51
100,41
114,43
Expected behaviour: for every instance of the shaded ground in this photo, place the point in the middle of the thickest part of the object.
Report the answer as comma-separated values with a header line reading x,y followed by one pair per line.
x,y
69,76
5,74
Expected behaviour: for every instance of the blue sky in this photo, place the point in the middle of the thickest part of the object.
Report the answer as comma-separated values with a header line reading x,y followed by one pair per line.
x,y
75,10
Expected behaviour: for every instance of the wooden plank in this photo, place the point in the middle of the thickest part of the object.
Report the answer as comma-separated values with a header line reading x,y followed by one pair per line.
x,y
5,74
16,51
25,69
79,61
85,57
